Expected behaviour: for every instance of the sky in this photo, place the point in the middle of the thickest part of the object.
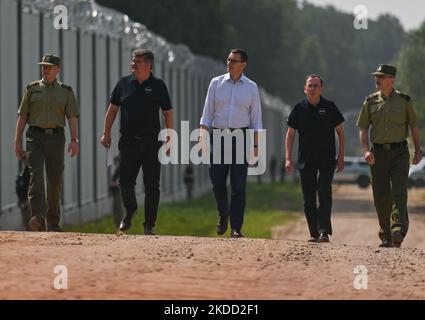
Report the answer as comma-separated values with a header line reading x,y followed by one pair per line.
x,y
411,13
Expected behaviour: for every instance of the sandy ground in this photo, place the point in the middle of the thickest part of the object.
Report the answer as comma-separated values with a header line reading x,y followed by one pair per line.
x,y
164,267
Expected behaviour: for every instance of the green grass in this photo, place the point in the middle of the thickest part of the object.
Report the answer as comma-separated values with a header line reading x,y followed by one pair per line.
x,y
267,205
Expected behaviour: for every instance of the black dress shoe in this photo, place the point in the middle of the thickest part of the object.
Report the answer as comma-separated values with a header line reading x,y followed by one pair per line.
x,y
313,239
386,243
126,222
397,239
323,237
236,234
222,225
149,231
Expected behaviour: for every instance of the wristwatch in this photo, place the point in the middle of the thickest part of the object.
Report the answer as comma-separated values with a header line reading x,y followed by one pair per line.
x,y
76,140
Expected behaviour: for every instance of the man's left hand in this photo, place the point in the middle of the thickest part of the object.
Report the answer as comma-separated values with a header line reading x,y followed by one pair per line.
x,y
73,148
340,164
417,157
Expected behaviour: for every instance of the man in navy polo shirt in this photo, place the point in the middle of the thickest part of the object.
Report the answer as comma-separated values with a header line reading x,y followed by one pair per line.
x,y
140,96
316,120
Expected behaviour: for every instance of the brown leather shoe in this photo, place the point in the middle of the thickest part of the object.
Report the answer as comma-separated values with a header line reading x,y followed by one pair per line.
x,y
37,225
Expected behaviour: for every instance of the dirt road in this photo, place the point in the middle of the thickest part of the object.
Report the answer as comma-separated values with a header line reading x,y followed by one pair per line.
x,y
164,267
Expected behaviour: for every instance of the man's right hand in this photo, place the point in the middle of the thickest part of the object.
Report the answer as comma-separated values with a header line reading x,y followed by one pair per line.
x,y
289,166
19,151
106,141
368,156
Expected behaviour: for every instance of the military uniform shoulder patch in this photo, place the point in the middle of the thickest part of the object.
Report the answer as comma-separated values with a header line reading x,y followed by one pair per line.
x,y
404,96
69,88
33,84
372,96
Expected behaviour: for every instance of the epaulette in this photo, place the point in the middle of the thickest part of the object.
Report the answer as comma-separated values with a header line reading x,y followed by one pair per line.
x,y
66,87
404,96
373,95
32,84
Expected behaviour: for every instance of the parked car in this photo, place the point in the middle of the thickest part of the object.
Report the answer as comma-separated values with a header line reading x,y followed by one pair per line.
x,y
356,170
417,175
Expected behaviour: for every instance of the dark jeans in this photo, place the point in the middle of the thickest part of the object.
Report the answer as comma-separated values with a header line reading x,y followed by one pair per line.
x,y
133,155
238,174
317,181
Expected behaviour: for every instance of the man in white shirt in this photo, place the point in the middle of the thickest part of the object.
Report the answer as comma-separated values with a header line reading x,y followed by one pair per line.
x,y
232,102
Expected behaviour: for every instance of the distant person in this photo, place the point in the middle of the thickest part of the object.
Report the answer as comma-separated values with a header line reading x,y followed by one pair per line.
x,y
188,180
282,173
273,164
390,114
114,187
21,187
316,119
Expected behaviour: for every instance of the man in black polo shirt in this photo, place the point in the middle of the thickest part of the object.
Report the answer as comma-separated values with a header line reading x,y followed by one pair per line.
x,y
316,120
139,96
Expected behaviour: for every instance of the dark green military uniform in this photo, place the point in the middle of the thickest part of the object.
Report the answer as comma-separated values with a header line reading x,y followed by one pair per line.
x,y
389,118
45,107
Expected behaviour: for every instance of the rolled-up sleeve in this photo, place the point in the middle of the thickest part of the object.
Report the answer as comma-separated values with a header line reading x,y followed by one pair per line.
x,y
208,113
255,115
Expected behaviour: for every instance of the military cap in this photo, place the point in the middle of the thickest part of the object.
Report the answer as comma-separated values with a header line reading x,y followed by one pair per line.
x,y
385,70
50,60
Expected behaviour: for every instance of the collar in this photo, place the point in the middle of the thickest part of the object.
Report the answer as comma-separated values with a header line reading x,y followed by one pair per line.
x,y
381,95
53,84
133,78
228,78
308,105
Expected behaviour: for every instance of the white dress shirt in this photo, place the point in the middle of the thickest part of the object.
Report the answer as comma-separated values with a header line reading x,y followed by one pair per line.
x,y
232,104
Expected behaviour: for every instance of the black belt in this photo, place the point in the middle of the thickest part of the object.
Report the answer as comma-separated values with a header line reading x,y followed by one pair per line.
x,y
141,137
390,146
47,130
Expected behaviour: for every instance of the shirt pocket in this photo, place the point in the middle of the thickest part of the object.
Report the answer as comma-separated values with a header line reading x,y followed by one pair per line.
x,y
60,101
397,115
375,113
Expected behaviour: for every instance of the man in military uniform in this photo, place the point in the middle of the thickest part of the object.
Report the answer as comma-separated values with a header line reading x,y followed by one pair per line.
x,y
389,113
45,103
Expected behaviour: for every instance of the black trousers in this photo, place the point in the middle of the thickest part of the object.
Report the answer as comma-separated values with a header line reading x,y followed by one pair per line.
x,y
134,154
317,181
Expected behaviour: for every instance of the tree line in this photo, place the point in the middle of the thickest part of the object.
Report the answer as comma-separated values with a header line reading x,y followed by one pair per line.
x,y
287,40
